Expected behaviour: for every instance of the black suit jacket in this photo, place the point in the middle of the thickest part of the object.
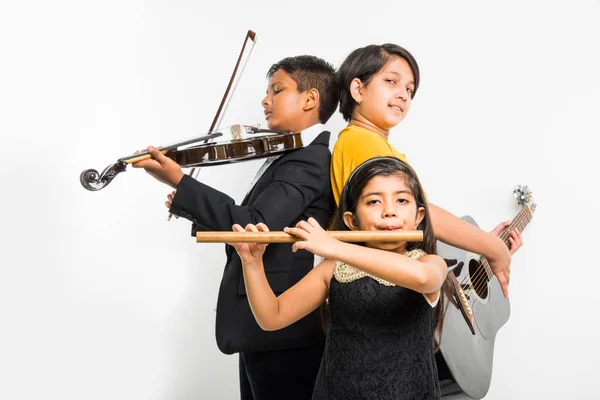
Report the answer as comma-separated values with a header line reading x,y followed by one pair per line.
x,y
294,187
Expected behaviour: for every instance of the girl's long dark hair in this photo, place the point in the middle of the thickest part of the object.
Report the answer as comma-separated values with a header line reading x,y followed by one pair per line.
x,y
387,166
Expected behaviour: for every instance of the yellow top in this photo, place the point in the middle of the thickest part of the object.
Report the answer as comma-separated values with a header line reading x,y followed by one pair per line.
x,y
354,146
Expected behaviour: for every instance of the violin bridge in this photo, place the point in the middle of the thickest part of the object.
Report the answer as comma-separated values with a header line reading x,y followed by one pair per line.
x,y
236,132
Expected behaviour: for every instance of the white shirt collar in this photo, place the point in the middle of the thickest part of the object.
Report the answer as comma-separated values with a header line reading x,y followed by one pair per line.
x,y
311,133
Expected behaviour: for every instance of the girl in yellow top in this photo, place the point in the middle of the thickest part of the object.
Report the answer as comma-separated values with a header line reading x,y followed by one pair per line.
x,y
377,84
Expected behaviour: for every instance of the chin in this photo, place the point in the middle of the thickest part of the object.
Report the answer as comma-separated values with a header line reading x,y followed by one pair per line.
x,y
389,246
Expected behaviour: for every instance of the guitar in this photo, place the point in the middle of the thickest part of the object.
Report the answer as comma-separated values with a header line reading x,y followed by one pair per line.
x,y
475,313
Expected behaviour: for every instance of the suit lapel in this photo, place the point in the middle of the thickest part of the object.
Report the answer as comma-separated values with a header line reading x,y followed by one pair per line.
x,y
323,138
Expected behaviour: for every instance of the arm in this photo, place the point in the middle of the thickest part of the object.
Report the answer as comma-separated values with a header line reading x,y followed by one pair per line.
x,y
298,180
271,312
458,233
425,275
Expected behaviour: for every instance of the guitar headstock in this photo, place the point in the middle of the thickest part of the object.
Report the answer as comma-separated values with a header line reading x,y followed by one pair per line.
x,y
524,198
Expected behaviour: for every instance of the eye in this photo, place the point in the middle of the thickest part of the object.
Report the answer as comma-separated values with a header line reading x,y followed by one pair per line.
x,y
392,81
410,90
402,201
371,202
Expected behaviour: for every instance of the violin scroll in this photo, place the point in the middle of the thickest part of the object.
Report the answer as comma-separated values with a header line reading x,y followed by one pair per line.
x,y
91,180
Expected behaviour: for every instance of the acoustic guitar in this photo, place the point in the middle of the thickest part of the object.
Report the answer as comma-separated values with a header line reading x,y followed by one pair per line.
x,y
475,313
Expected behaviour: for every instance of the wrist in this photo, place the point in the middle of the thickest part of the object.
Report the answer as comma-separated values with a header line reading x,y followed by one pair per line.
x,y
497,249
177,177
253,265
334,250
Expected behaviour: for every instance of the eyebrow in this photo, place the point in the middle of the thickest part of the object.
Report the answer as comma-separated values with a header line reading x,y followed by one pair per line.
x,y
381,193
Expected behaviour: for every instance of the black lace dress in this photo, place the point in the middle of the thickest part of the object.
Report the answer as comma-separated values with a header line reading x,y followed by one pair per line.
x,y
379,341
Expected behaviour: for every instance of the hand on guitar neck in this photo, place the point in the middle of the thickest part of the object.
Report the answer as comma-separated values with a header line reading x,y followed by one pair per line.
x,y
500,265
515,239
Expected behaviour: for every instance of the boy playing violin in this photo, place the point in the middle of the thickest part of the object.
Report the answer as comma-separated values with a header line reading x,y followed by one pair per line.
x,y
301,97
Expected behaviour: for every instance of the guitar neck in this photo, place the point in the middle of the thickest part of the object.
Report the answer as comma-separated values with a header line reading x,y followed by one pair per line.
x,y
519,222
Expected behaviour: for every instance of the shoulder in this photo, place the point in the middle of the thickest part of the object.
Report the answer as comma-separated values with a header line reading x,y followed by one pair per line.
x,y
364,144
314,153
353,135
431,259
325,270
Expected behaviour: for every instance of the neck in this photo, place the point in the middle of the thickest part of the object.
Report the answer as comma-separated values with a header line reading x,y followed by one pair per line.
x,y
305,124
368,125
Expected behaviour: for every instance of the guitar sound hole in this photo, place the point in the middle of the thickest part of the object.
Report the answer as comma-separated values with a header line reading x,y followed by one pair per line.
x,y
479,279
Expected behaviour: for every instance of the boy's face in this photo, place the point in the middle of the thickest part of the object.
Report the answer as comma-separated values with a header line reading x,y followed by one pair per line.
x,y
283,104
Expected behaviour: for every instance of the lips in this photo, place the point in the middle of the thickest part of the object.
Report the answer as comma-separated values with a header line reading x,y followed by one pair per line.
x,y
268,114
397,108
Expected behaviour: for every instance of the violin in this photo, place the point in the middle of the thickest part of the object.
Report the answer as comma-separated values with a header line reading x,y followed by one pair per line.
x,y
240,148
247,143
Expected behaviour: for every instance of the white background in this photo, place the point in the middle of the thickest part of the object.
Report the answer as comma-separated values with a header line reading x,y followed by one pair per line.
x,y
101,298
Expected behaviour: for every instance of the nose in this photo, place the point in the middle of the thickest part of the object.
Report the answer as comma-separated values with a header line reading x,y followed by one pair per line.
x,y
402,93
266,100
389,212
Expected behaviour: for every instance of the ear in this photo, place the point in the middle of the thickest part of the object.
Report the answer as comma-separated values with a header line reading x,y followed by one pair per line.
x,y
350,221
420,216
311,99
356,87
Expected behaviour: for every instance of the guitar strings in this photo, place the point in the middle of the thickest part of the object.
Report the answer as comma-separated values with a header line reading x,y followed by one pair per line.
x,y
478,279
483,273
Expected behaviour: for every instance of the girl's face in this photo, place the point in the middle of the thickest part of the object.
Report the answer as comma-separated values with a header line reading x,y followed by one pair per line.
x,y
385,101
386,204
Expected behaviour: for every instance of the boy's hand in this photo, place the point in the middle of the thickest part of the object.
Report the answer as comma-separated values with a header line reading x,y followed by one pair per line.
x,y
161,167
515,239
315,239
250,253
170,199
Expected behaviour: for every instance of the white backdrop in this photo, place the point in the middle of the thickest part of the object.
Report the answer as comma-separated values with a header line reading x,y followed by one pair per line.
x,y
101,298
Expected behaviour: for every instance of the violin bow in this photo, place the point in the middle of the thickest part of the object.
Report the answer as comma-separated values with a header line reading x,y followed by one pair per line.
x,y
250,35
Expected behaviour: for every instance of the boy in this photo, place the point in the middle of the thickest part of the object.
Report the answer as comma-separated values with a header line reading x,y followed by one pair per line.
x,y
301,97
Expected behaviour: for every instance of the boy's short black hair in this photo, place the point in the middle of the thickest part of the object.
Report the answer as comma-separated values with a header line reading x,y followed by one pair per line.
x,y
366,62
312,72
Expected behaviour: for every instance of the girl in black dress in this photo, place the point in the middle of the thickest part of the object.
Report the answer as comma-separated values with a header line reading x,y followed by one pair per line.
x,y
384,298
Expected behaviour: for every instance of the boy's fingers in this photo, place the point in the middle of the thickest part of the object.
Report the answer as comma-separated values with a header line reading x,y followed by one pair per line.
x,y
157,155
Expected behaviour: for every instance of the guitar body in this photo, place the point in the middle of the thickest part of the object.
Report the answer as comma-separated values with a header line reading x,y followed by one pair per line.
x,y
469,357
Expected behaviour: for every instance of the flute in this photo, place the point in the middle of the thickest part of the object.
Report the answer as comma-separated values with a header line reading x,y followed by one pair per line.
x,y
283,237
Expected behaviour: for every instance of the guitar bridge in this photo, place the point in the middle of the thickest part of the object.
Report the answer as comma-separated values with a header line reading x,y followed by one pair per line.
x,y
461,302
